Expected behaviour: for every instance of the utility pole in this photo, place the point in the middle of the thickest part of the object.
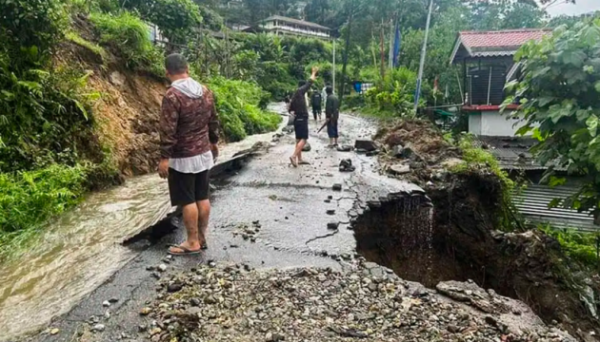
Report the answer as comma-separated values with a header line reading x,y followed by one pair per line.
x,y
333,85
423,54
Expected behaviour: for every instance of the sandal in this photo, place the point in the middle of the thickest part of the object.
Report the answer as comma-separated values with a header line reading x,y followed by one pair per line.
x,y
185,251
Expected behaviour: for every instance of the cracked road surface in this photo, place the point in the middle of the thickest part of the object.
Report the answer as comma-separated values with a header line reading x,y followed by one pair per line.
x,y
294,207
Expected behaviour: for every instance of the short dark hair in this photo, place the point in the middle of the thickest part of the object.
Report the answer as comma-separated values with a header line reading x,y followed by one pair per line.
x,y
329,90
301,83
176,64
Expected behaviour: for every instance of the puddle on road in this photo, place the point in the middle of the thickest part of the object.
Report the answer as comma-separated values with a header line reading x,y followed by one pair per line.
x,y
83,248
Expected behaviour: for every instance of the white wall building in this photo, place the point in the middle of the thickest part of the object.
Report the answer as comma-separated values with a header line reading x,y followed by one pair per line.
x,y
282,25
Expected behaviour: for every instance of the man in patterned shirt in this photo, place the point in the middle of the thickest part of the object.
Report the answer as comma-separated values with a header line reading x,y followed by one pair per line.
x,y
189,133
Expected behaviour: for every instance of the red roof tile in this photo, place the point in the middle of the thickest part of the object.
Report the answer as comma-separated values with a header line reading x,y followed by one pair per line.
x,y
489,40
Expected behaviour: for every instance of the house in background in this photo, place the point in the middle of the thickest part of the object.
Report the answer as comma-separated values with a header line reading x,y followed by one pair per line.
x,y
289,26
487,60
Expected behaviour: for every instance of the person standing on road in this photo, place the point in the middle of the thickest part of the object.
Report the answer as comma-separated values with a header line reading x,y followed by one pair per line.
x,y
317,101
332,115
189,133
299,108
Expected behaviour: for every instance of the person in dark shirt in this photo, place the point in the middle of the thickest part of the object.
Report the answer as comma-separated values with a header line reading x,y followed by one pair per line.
x,y
332,115
299,108
316,102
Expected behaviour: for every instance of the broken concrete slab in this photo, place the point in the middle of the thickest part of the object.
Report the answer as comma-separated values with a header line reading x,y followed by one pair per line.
x,y
345,148
337,187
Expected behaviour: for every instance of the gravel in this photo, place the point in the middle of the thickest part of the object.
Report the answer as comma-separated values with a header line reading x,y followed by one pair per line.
x,y
230,303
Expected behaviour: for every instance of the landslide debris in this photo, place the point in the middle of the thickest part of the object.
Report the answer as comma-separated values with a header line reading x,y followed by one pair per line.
x,y
368,303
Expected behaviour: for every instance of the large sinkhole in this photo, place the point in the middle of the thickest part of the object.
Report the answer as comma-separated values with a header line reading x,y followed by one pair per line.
x,y
453,234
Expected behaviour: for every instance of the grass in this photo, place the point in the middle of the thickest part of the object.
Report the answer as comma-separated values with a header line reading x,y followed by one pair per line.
x,y
93,47
29,198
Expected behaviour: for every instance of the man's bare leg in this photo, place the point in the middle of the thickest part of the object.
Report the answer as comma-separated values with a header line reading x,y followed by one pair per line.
x,y
190,220
298,152
203,219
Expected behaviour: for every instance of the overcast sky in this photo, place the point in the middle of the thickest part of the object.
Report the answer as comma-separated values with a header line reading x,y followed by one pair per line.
x,y
581,6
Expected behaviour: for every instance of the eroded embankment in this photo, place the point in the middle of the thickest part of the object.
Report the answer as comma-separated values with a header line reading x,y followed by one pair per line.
x,y
458,239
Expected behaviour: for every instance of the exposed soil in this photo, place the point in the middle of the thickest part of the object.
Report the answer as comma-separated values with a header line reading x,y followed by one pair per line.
x,y
127,112
460,239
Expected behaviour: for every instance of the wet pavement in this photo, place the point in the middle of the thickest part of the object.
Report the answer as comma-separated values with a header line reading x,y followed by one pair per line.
x,y
290,203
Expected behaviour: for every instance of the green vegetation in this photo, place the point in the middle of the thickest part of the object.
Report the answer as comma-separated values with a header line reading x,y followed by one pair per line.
x,y
238,104
475,160
29,198
578,246
77,39
127,36
559,92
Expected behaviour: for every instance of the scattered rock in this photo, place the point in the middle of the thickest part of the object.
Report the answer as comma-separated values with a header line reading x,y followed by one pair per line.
x,y
345,148
398,151
150,268
400,169
117,79
346,166
145,311
54,331
174,287
333,225
98,327
113,300
365,145
142,328
162,267
331,212
337,187
106,304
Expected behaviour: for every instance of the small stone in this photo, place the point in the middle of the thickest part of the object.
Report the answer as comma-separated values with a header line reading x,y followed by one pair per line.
x,y
99,327
106,304
113,300
175,287
162,267
330,212
142,327
54,331
212,264
156,275
150,268
333,225
195,302
337,187
145,311
155,331
453,329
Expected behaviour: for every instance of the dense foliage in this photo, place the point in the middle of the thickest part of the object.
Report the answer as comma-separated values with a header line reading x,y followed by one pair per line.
x,y
559,92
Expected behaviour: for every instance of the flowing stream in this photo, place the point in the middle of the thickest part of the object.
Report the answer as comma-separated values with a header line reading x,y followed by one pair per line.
x,y
83,248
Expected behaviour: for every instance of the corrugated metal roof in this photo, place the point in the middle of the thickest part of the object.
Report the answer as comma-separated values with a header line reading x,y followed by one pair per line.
x,y
533,201
513,153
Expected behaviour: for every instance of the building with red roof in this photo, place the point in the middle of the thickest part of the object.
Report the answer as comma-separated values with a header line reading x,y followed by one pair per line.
x,y
488,64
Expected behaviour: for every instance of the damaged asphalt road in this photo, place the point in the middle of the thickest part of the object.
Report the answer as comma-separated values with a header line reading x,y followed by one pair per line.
x,y
293,206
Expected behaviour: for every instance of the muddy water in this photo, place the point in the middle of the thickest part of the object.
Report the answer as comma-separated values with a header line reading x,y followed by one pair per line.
x,y
82,249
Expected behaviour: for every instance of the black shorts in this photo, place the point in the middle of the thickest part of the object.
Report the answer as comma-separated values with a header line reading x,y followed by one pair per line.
x,y
301,128
188,188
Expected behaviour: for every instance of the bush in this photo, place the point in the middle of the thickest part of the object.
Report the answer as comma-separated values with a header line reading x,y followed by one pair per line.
x,y
238,105
29,198
129,37
49,120
579,246
176,18
395,93
29,24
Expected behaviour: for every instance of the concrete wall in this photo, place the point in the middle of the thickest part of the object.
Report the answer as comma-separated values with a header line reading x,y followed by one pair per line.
x,y
492,123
